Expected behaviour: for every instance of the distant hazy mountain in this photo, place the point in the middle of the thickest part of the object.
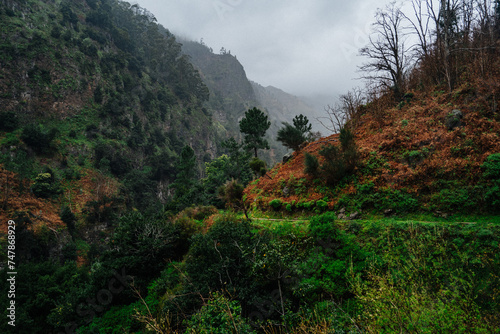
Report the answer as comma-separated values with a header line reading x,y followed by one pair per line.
x,y
231,94
283,107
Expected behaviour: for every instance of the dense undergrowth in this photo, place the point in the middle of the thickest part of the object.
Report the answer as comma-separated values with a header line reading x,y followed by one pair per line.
x,y
322,276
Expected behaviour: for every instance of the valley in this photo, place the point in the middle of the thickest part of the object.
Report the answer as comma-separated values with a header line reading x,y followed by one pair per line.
x,y
148,186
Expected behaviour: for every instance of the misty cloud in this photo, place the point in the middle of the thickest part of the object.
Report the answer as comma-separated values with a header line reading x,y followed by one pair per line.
x,y
303,47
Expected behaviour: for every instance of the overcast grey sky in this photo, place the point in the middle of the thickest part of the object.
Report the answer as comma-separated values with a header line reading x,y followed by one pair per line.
x,y
304,47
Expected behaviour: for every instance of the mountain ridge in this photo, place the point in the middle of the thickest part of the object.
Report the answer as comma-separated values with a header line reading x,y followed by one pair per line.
x,y
232,93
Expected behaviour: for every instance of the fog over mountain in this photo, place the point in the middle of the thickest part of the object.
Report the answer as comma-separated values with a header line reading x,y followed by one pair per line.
x,y
305,48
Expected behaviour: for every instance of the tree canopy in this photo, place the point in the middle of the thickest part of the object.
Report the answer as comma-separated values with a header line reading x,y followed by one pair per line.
x,y
254,125
292,136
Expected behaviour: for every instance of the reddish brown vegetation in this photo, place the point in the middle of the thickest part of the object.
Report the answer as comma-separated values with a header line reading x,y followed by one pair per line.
x,y
14,199
391,133
270,184
17,197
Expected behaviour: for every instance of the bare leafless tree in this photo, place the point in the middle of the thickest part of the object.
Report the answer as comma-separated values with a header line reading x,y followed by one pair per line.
x,y
445,16
421,24
452,32
345,111
388,53
484,34
351,103
335,118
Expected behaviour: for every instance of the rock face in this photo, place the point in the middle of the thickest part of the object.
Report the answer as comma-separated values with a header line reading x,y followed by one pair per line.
x,y
454,119
231,93
287,157
354,216
342,214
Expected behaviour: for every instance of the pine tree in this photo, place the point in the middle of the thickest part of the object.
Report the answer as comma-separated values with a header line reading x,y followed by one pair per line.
x,y
301,123
290,137
254,125
293,136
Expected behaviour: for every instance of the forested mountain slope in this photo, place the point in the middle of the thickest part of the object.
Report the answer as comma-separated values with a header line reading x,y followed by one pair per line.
x,y
96,88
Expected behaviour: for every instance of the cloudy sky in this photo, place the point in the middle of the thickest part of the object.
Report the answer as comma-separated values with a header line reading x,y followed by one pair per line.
x,y
305,47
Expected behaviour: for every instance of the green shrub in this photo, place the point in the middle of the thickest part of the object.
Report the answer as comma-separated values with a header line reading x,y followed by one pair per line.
x,y
98,95
289,207
366,188
218,260
275,204
309,205
333,168
455,199
111,157
366,198
141,244
219,315
38,137
8,121
70,174
69,218
258,166
339,161
346,138
321,205
311,164
335,255
397,200
491,166
492,196
306,205
374,162
55,32
45,186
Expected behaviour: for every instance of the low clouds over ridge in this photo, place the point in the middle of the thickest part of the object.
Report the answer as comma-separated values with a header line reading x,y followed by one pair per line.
x,y
303,47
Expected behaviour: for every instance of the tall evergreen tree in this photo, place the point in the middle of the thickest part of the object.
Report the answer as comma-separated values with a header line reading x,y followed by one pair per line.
x,y
238,158
290,136
302,124
254,125
293,136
